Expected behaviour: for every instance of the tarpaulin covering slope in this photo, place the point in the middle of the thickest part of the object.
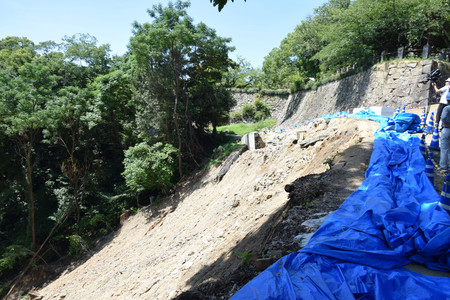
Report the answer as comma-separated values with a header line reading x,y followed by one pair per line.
x,y
393,219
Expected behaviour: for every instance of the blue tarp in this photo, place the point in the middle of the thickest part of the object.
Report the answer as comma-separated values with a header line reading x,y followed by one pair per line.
x,y
359,252
405,122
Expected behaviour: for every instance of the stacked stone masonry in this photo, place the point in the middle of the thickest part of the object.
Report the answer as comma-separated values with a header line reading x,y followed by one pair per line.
x,y
390,84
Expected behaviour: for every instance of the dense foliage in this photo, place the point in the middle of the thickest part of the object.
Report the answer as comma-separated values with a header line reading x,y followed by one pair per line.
x,y
84,135
345,33
251,112
60,157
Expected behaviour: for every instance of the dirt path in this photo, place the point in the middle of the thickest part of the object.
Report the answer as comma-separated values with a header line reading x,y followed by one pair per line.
x,y
198,239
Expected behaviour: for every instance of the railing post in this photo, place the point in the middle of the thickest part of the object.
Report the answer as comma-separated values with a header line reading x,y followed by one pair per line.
x,y
400,52
426,51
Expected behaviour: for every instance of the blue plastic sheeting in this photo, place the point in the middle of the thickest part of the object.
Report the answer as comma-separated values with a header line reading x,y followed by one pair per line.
x,y
367,114
363,115
391,220
405,122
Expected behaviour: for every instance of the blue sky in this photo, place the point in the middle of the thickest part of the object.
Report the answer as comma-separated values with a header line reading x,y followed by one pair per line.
x,y
255,26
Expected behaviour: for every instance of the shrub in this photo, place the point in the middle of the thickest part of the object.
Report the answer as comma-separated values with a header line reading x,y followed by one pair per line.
x,y
94,224
149,167
12,256
298,85
248,111
236,116
257,111
262,110
278,92
221,153
77,245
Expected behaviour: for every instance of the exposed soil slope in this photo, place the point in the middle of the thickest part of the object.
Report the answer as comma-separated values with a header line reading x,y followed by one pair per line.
x,y
196,244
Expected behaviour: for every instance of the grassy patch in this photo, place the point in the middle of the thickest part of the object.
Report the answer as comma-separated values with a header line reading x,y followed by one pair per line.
x,y
242,128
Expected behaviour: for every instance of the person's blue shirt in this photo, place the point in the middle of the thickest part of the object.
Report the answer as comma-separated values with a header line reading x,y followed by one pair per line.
x,y
445,117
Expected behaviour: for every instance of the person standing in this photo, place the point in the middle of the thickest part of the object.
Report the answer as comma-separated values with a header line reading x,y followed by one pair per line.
x,y
443,101
445,141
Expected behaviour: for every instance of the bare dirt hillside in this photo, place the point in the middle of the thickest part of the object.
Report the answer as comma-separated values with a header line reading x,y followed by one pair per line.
x,y
210,237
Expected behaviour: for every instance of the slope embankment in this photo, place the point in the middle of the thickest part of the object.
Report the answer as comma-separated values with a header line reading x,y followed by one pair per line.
x,y
200,234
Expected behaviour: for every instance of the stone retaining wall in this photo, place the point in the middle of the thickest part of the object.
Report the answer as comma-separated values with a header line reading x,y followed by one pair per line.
x,y
388,84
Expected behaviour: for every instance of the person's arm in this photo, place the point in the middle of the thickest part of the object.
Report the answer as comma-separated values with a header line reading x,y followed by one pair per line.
x,y
435,88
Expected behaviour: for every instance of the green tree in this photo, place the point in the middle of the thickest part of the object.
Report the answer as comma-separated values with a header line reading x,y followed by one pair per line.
x,y
24,109
73,114
114,95
61,101
87,60
242,75
295,61
13,201
149,167
15,52
116,129
172,56
344,33
427,23
76,112
209,102
211,105
161,50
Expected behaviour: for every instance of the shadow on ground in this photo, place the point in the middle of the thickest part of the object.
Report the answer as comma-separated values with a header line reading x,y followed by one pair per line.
x,y
308,196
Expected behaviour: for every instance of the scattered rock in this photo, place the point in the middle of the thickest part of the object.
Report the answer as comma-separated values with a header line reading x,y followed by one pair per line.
x,y
312,141
124,216
35,295
303,239
263,263
314,224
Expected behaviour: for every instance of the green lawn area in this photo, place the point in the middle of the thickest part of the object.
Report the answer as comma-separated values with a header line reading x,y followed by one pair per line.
x,y
243,128
221,152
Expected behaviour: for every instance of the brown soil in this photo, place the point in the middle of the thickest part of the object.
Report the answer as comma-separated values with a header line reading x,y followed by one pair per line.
x,y
211,237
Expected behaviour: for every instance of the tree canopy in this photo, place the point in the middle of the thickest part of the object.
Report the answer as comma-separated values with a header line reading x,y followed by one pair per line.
x,y
344,33
173,61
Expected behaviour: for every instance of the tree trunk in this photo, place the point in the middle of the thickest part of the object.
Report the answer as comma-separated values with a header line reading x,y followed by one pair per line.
x,y
175,119
75,195
176,88
177,127
31,196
